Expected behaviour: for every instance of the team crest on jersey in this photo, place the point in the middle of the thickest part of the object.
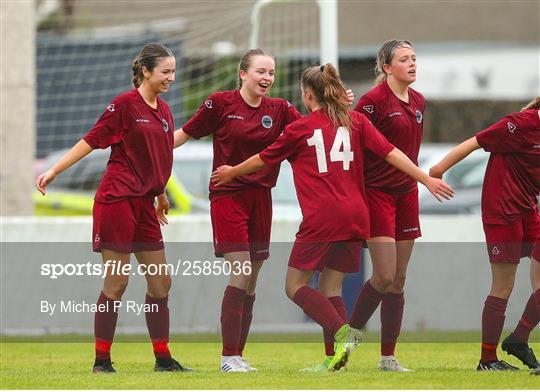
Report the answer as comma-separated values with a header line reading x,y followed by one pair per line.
x,y
511,127
165,125
110,108
419,116
266,121
208,103
368,108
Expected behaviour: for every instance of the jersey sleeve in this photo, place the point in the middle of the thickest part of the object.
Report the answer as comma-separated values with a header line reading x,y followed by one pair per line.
x,y
285,146
374,140
206,120
502,137
292,113
367,107
108,128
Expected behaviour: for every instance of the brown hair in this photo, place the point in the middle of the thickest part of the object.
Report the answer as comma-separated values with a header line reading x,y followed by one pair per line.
x,y
148,57
245,61
385,56
534,104
329,92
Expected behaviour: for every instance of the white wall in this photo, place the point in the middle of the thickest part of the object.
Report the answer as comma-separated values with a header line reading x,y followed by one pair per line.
x,y
447,282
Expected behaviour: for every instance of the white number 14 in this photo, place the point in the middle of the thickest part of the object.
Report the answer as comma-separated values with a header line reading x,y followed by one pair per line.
x,y
337,154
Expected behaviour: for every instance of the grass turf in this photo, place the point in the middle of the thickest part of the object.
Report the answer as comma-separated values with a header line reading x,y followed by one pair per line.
x,y
48,365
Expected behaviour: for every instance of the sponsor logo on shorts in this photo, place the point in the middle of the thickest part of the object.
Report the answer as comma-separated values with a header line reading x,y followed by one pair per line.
x,y
262,251
394,114
97,238
495,251
419,116
536,146
165,125
235,117
110,108
511,127
208,103
266,121
142,120
368,108
410,229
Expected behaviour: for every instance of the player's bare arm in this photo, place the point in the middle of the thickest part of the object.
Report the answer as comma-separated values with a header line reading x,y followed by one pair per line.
x,y
78,152
436,187
180,137
225,174
456,155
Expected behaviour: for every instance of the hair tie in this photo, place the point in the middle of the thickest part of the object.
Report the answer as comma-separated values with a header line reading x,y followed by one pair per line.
x,y
322,68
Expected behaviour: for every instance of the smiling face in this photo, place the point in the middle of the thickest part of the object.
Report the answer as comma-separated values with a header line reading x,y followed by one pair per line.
x,y
162,76
259,76
402,68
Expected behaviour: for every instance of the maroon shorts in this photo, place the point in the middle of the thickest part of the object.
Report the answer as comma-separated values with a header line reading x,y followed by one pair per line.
x,y
536,250
126,226
242,223
393,214
507,243
343,256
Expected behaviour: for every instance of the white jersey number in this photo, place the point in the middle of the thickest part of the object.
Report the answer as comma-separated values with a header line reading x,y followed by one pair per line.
x,y
337,153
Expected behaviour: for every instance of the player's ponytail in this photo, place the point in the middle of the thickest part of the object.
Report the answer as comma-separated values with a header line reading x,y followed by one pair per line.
x,y
329,92
385,56
534,104
148,57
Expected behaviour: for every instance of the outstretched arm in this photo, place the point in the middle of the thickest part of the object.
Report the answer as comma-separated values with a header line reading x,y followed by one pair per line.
x,y
454,156
225,174
180,137
437,187
78,152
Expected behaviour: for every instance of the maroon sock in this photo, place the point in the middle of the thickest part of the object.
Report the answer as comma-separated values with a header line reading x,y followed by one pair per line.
x,y
529,320
104,327
231,319
339,305
319,309
247,316
492,325
157,321
537,300
392,305
367,303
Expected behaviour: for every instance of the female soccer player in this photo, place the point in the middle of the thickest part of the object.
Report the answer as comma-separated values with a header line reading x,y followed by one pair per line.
x,y
243,122
326,151
396,110
137,125
511,225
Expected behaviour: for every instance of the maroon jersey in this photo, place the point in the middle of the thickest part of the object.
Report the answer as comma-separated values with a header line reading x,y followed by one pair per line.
x,y
512,180
328,168
240,131
402,124
141,140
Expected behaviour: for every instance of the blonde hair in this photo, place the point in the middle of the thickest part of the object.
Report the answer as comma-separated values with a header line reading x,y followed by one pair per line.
x,y
534,104
329,92
385,56
245,61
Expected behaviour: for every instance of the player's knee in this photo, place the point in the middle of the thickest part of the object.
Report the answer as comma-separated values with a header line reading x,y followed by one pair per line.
x,y
290,290
399,283
116,289
502,290
382,282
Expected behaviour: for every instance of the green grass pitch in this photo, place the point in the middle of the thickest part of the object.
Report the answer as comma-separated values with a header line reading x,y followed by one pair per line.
x,y
47,365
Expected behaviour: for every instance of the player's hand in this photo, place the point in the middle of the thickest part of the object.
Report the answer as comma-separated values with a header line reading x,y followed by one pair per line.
x,y
435,172
350,96
162,209
222,175
440,189
45,179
